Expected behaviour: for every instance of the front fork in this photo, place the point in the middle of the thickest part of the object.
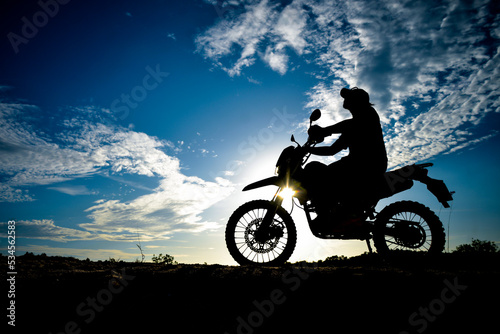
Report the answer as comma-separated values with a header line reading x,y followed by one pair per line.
x,y
262,233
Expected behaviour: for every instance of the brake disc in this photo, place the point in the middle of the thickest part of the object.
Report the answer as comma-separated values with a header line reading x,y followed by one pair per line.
x,y
276,232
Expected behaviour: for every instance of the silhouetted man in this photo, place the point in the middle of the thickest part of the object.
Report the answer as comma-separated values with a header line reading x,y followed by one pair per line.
x,y
367,159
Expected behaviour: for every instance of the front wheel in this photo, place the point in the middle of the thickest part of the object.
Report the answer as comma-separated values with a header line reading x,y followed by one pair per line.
x,y
409,226
241,239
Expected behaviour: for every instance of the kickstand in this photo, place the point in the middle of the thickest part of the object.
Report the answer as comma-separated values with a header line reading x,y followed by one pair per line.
x,y
369,246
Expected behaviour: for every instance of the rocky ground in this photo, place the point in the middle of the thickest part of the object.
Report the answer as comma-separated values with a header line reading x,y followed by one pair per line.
x,y
402,294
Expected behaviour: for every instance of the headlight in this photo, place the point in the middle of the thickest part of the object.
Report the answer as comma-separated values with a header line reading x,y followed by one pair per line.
x,y
286,192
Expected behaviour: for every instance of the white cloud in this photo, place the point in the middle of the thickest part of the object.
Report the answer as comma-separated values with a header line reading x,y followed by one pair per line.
x,y
431,68
72,190
290,25
175,206
244,34
277,60
83,147
32,157
254,81
441,129
12,195
88,145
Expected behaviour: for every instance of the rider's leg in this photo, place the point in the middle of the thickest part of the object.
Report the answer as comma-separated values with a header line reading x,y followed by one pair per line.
x,y
340,185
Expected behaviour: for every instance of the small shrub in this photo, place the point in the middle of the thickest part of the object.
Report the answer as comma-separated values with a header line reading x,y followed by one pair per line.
x,y
163,259
477,246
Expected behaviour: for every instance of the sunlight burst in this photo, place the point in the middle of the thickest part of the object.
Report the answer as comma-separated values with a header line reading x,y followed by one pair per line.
x,y
286,193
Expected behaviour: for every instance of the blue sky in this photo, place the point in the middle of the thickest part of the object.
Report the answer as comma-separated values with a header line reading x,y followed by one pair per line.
x,y
132,122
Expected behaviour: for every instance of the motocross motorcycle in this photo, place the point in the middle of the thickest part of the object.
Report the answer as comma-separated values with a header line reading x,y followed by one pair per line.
x,y
262,232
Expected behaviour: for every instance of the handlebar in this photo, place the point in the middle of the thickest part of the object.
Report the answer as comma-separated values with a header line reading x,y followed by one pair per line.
x,y
308,143
312,142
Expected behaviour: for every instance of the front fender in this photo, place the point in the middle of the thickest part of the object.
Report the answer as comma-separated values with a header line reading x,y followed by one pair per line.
x,y
270,181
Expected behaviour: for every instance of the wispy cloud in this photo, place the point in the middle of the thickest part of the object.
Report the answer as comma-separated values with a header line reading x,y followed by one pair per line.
x,y
73,190
254,81
30,157
12,195
89,143
46,229
431,67
244,32
175,206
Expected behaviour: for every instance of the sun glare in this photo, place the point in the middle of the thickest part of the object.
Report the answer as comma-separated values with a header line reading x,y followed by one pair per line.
x,y
287,192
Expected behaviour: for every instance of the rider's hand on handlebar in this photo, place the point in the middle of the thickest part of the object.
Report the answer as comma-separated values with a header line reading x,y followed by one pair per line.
x,y
302,150
316,133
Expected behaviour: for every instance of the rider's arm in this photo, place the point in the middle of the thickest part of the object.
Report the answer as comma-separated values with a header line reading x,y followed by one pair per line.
x,y
339,145
340,127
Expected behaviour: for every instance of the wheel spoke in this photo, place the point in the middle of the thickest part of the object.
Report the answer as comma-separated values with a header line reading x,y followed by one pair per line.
x,y
254,250
404,227
267,246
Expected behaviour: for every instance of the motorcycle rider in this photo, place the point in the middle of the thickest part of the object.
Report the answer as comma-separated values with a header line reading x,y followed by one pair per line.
x,y
352,174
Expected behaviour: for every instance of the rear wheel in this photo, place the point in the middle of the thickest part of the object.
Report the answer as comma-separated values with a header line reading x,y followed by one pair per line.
x,y
409,226
247,248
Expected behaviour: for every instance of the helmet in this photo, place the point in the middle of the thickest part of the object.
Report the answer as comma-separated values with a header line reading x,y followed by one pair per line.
x,y
357,95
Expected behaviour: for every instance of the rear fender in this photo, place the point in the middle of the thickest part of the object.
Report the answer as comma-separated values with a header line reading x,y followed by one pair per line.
x,y
436,187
